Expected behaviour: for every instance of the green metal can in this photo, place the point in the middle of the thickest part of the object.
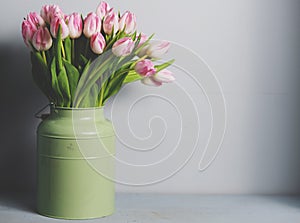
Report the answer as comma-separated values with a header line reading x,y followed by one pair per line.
x,y
75,164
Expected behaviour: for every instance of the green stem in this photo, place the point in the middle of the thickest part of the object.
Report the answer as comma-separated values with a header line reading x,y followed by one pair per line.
x,y
73,51
44,57
63,49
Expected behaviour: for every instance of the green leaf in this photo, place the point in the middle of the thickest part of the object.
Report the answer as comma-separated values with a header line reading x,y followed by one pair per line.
x,y
41,76
63,83
163,66
68,49
85,102
133,36
54,84
88,78
94,95
58,49
131,77
80,84
91,99
73,77
115,84
83,59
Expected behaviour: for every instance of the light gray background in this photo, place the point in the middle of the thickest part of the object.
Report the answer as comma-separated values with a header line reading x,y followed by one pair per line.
x,y
253,48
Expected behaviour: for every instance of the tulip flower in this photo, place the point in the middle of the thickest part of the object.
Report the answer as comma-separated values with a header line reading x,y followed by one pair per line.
x,y
145,68
28,30
35,19
97,43
157,50
42,40
123,47
55,24
49,12
111,22
150,82
92,24
102,9
128,22
75,26
164,76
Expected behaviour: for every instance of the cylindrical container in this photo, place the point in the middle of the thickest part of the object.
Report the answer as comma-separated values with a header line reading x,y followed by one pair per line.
x,y
75,164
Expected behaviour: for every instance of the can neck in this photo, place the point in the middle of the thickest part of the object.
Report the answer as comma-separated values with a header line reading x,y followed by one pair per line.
x,y
96,113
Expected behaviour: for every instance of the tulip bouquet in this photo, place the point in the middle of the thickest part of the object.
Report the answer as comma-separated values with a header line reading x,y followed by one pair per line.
x,y
81,62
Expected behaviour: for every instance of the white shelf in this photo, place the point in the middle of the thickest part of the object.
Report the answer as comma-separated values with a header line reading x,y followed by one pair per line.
x,y
146,208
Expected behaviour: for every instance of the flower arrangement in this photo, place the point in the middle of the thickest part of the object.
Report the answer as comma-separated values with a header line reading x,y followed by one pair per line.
x,y
81,62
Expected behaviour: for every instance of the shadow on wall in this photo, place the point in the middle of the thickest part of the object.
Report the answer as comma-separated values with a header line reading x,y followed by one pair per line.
x,y
20,99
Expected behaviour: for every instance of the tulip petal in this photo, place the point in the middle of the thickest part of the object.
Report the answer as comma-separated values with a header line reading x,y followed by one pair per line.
x,y
150,82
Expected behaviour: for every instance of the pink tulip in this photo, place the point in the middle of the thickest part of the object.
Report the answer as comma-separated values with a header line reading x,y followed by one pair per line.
x,y
164,76
150,82
123,47
111,22
145,68
28,30
157,50
42,40
35,19
97,43
128,21
102,9
92,24
55,24
75,26
49,12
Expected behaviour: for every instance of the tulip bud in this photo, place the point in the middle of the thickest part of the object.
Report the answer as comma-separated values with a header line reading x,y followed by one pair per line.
x,y
102,9
128,21
157,50
111,22
74,23
35,19
164,76
145,68
42,40
55,24
28,30
97,43
49,12
123,47
92,24
150,82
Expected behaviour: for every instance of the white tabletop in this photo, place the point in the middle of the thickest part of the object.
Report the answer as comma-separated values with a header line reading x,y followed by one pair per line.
x,y
144,208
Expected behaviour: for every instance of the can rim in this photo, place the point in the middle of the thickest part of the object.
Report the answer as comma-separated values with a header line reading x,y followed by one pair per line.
x,y
53,106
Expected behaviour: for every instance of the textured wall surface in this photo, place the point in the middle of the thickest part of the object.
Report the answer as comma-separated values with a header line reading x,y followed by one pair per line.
x,y
253,48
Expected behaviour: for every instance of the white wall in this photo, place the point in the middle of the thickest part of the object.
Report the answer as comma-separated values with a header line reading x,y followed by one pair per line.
x,y
253,48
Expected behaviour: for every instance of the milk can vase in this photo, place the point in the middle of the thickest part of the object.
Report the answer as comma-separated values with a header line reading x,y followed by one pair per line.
x,y
75,164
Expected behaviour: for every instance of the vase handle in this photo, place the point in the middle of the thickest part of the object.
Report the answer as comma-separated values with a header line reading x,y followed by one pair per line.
x,y
43,116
